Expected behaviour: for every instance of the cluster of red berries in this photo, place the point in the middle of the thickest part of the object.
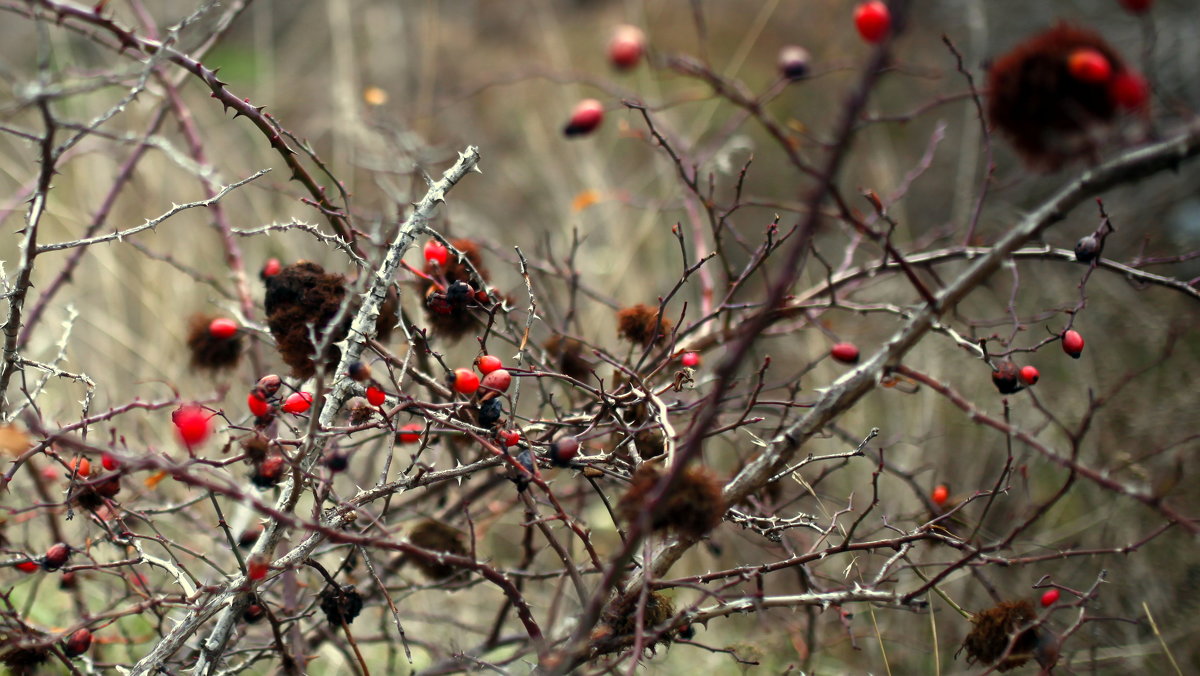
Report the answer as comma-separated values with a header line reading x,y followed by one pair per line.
x,y
1008,378
263,399
54,558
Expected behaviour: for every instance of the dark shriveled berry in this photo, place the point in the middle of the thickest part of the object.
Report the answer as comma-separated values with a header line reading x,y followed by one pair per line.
x,y
1007,378
1087,248
341,604
490,412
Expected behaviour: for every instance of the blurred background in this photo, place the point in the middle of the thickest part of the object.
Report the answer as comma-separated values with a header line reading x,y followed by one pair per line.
x,y
386,91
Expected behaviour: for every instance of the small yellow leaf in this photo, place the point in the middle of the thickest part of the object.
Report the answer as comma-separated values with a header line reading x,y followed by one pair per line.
x,y
153,479
585,199
13,440
374,96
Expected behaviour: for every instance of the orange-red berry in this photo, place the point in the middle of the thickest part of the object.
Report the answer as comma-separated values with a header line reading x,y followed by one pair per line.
x,y
847,353
109,462
488,363
376,396
588,115
78,642
1050,597
1029,375
256,568
626,47
410,433
27,566
298,402
873,20
222,328
1129,90
510,438
464,381
690,359
1089,65
257,405
1072,343
941,493
80,467
436,252
192,424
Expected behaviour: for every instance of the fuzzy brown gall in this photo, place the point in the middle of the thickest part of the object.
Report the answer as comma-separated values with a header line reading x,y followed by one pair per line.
x,y
1049,113
439,537
641,325
693,508
213,350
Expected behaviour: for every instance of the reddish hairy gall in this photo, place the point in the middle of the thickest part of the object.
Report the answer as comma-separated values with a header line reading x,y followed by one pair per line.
x,y
1129,90
1029,375
793,62
376,396
940,494
78,642
1072,343
436,252
1050,597
873,20
191,424
410,433
27,566
626,47
588,115
1089,65
488,363
222,328
563,451
298,402
690,359
847,353
257,405
497,381
464,381
56,557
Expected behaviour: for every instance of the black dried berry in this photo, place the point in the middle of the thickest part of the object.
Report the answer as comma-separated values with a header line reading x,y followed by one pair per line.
x,y
341,604
490,412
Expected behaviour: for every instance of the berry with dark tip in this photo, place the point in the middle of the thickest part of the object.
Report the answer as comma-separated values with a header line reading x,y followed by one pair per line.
x,y
78,642
626,47
563,451
1072,343
586,117
56,557
1029,375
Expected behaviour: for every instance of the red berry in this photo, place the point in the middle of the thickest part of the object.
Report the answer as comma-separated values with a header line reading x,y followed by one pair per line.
x,y
56,557
49,473
1089,65
256,568
80,467
847,353
1049,598
497,381
271,268
793,62
465,381
690,359
626,47
1029,375
588,115
191,424
436,252
298,402
872,20
488,363
109,462
78,643
257,405
253,613
269,472
27,566
410,433
376,396
1137,6
510,438
222,328
563,451
1072,343
1129,90
941,493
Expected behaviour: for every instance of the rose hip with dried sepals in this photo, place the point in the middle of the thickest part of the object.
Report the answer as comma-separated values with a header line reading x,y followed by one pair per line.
x,y
1029,375
562,451
1007,378
56,557
78,642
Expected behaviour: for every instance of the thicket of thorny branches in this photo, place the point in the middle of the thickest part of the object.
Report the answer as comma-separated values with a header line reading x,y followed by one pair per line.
x,y
445,449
